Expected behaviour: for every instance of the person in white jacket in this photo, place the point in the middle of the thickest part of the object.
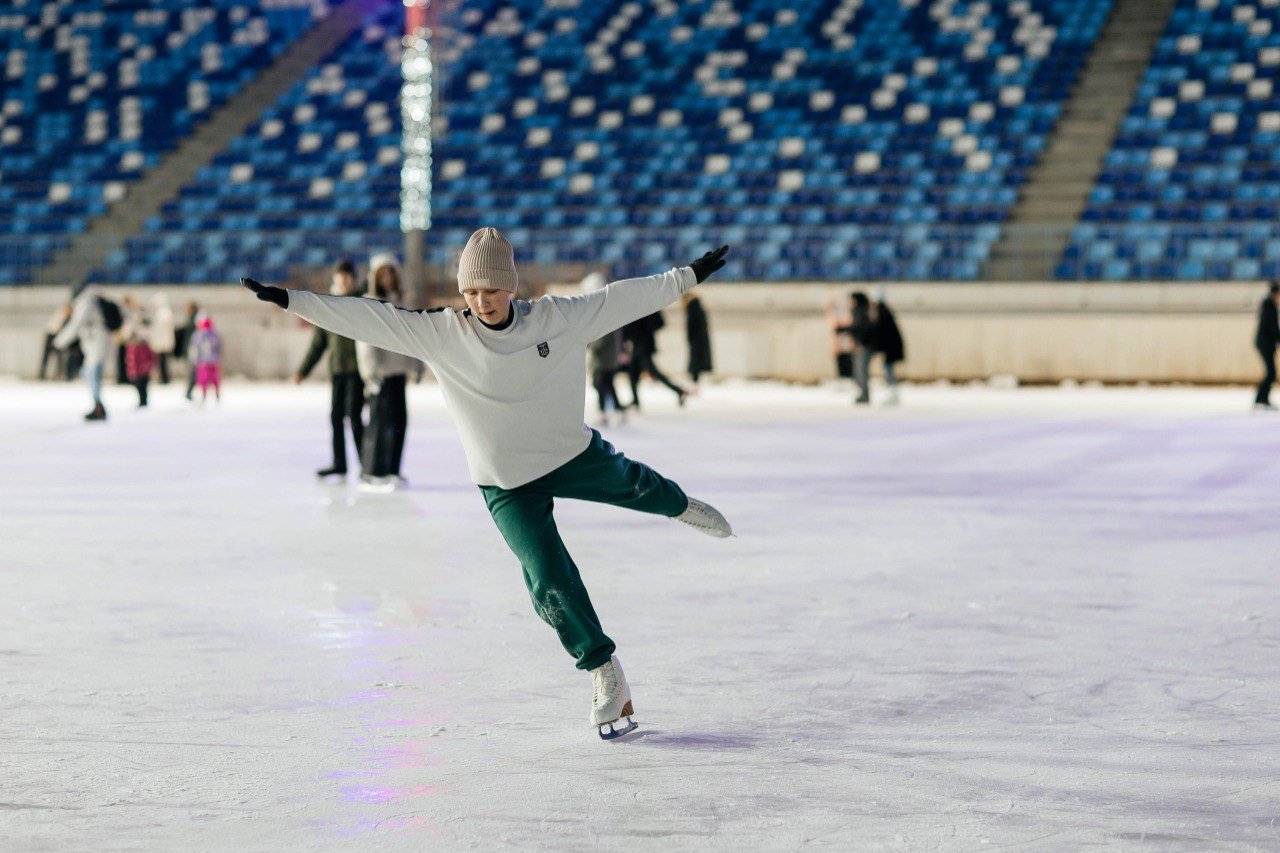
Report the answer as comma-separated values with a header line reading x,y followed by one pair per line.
x,y
385,374
161,334
89,326
513,374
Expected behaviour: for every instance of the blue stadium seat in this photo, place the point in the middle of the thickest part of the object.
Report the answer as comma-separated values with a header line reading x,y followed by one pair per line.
x,y
94,92
639,134
1195,154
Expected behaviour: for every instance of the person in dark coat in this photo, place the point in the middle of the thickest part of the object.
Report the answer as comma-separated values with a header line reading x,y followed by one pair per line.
x,y
885,338
641,340
347,401
699,334
182,343
859,329
1266,340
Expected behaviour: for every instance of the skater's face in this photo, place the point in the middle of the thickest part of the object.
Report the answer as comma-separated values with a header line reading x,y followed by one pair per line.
x,y
490,306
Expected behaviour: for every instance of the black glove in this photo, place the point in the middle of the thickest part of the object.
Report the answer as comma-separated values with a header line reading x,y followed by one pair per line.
x,y
705,265
277,295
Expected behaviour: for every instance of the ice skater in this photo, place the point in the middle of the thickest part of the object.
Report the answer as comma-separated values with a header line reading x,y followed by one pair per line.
x,y
604,359
162,334
884,337
206,359
698,333
641,337
385,375
94,318
139,361
513,374
346,398
1266,339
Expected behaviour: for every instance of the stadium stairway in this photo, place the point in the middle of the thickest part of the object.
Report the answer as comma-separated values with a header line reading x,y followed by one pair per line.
x,y
125,218
1057,189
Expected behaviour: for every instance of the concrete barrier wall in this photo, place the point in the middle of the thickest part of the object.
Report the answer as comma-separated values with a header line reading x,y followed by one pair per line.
x,y
1175,332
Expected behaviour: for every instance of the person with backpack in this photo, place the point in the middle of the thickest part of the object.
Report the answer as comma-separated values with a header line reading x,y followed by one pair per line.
x,y
94,319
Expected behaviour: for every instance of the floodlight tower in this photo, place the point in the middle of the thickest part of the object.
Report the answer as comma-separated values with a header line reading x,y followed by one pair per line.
x,y
417,95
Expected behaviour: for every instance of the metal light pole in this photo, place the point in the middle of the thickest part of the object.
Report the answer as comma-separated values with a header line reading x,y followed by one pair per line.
x,y
416,96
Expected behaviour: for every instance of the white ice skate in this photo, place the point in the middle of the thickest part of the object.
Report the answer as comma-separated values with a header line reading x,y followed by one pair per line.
x,y
705,518
612,701
376,485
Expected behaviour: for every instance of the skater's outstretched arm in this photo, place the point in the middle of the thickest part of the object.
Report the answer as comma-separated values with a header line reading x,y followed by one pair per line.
x,y
411,333
597,314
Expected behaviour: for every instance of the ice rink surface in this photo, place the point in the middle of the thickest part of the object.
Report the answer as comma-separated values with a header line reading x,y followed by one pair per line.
x,y
1033,619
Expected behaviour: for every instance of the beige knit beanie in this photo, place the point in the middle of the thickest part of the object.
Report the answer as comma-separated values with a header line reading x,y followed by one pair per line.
x,y
487,263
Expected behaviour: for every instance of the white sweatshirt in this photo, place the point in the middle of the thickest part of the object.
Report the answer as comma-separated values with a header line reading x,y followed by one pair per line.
x,y
517,394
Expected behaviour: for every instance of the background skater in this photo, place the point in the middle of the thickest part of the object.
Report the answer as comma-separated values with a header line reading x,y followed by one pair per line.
x,y
1266,340
346,401
385,375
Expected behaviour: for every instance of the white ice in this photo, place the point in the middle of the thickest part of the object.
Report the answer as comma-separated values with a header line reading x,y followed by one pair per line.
x,y
991,619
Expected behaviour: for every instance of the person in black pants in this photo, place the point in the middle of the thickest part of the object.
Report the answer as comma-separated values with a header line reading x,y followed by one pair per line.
x,y
859,329
182,344
641,338
385,375
1266,340
347,401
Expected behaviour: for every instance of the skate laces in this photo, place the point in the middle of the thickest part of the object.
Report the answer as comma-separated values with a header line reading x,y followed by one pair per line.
x,y
606,683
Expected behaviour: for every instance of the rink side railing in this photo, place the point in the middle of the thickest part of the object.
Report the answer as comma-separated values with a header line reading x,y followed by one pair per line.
x,y
1036,332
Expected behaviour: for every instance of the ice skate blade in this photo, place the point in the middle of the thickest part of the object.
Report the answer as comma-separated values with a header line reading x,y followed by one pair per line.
x,y
615,733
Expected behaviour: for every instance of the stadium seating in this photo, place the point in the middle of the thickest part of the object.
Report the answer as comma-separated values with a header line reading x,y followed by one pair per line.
x,y
1191,188
93,92
317,175
826,139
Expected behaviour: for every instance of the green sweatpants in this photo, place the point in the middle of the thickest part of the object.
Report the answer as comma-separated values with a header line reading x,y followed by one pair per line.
x,y
524,518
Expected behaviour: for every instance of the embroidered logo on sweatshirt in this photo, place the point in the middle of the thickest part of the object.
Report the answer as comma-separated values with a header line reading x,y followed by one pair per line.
x,y
543,349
